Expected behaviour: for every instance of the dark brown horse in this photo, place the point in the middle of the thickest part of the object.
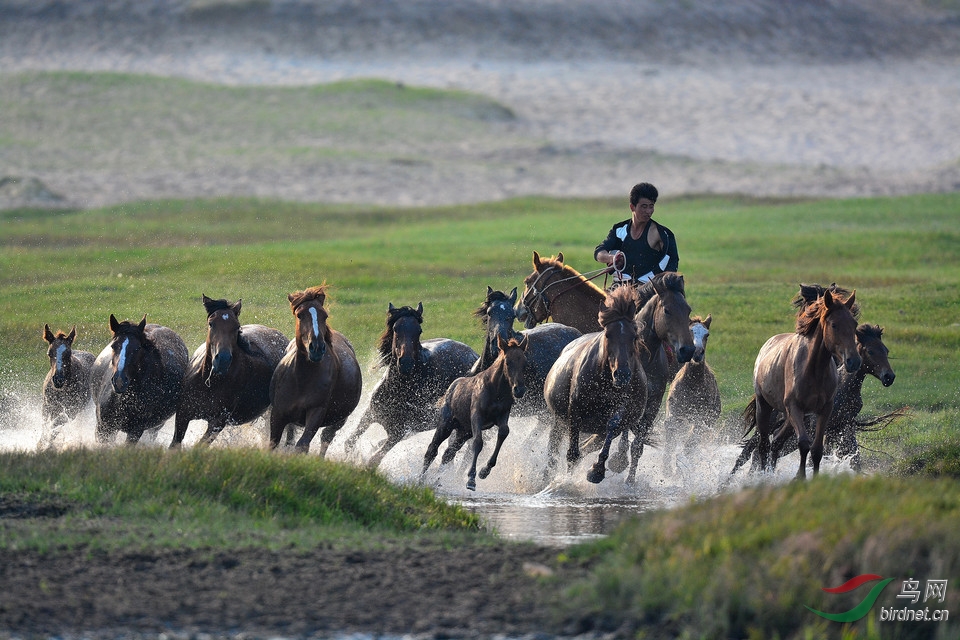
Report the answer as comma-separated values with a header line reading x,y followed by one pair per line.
x,y
404,401
598,385
560,292
693,403
136,379
66,388
475,403
663,322
796,374
544,344
318,382
841,430
229,377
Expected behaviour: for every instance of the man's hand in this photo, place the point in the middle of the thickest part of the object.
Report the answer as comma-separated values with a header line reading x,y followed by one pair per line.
x,y
619,261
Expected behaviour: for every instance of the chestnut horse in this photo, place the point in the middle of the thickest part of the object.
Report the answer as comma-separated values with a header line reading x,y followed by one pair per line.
x,y
66,388
693,403
317,382
475,403
137,378
598,385
418,373
544,344
560,292
796,374
229,377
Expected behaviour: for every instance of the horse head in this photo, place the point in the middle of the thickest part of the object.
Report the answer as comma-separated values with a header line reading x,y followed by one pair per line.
x,y
513,353
835,318
700,329
223,333
497,314
60,353
621,337
534,307
874,353
313,334
670,314
129,344
400,342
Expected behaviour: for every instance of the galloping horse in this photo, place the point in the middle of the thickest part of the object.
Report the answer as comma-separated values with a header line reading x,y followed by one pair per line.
x,y
137,378
418,373
544,344
66,388
229,377
317,382
796,374
598,385
475,403
663,321
693,404
558,291
841,430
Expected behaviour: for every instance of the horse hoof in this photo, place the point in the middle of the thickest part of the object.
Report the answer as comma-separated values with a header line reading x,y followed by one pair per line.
x,y
631,480
484,473
471,485
596,475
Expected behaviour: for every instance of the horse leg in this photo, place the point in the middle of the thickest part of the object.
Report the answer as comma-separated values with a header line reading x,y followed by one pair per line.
x,y
214,427
573,448
312,424
636,450
365,421
816,452
460,437
796,418
328,433
764,413
278,423
599,470
442,432
618,462
502,432
477,447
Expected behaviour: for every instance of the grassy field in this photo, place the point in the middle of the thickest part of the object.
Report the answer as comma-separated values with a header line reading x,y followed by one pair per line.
x,y
739,565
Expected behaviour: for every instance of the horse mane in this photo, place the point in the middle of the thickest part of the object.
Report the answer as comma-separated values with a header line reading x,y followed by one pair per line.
x,y
570,272
318,292
60,335
672,280
810,292
385,344
696,319
619,304
870,331
809,315
481,312
213,306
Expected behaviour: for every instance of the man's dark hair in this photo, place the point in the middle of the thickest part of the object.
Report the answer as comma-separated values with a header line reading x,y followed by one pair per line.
x,y
643,190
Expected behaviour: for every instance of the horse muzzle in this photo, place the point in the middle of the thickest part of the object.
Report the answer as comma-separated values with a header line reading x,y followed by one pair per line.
x,y
221,362
120,382
406,364
58,380
519,391
622,377
852,364
685,354
887,378
316,351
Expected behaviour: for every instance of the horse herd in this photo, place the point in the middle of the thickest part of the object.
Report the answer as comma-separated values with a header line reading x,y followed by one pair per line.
x,y
597,373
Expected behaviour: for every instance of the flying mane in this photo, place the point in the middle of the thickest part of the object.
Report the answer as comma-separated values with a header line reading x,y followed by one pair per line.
x,y
672,281
621,304
493,296
809,316
318,292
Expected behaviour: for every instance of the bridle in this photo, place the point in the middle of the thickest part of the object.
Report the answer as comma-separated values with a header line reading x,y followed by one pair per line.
x,y
533,293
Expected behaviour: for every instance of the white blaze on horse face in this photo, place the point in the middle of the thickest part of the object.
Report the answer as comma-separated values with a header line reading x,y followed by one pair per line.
x,y
122,359
225,316
60,351
316,322
700,334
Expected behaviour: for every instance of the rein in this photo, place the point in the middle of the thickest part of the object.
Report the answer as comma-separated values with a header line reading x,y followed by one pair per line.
x,y
579,279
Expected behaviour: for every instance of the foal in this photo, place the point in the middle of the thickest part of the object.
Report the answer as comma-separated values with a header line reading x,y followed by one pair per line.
x,y
475,403
66,389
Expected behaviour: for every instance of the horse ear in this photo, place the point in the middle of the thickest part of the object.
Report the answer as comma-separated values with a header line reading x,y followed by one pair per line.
x,y
236,307
204,299
536,260
489,291
513,297
114,325
143,323
72,334
390,307
852,299
420,310
47,334
502,343
560,256
707,322
827,298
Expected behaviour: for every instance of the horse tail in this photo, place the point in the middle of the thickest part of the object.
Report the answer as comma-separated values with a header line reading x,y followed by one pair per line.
x,y
749,417
880,422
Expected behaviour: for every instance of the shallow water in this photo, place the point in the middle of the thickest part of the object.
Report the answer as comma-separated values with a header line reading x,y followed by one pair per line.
x,y
520,499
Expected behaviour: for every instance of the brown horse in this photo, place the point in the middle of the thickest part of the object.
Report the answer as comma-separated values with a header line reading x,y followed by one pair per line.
x,y
796,374
136,379
693,403
545,342
66,388
229,377
558,291
418,373
598,385
318,382
475,403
